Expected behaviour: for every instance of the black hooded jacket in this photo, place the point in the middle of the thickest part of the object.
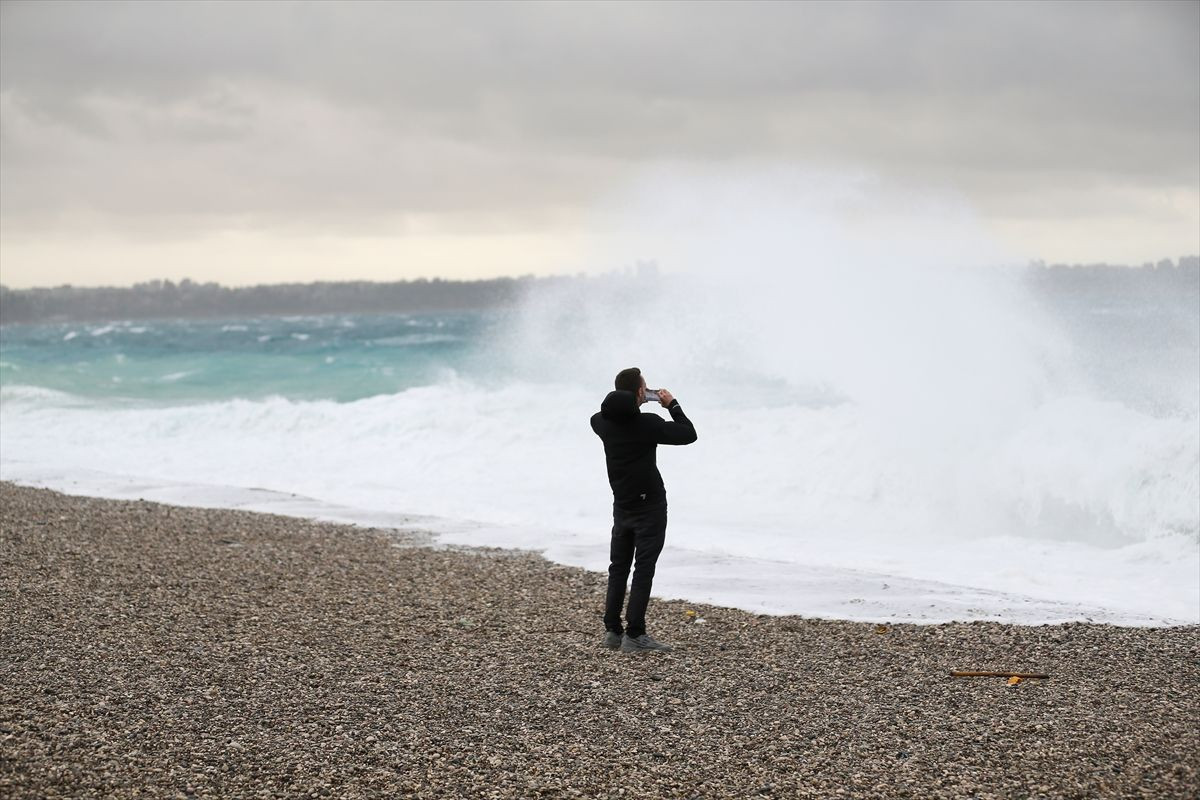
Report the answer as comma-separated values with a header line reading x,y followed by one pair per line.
x,y
631,439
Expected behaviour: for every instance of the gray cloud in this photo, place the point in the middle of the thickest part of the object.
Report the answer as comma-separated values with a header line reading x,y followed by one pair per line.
x,y
343,114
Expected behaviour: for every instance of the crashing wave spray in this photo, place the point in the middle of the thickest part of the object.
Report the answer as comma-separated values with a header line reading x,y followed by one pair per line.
x,y
916,387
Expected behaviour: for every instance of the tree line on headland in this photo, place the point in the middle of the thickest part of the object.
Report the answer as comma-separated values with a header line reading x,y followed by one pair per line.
x,y
164,299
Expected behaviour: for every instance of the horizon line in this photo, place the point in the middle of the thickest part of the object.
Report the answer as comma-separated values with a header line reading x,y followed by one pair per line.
x,y
1192,260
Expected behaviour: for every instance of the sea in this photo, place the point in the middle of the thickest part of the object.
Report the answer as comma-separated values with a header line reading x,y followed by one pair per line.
x,y
908,445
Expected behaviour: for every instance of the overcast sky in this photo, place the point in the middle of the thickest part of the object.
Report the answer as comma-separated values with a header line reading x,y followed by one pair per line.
x,y
244,142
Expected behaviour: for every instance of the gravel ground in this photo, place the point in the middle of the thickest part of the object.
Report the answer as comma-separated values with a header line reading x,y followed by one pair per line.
x,y
159,651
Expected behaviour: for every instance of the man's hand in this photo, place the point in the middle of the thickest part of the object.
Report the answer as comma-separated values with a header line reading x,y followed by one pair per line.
x,y
665,397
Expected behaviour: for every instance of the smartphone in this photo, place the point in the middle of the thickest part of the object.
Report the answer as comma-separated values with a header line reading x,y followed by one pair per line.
x,y
652,396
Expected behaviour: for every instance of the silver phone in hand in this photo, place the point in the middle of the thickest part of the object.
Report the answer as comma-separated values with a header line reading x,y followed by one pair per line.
x,y
652,396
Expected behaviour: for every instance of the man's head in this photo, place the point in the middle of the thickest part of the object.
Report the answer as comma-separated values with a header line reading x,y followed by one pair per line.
x,y
631,380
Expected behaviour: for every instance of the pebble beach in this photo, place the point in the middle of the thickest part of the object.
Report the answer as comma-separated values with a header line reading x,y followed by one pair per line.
x,y
156,651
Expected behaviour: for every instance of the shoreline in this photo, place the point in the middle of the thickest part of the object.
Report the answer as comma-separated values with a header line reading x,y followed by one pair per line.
x,y
753,585
208,652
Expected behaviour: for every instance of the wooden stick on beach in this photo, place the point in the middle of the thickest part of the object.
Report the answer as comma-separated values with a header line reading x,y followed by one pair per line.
x,y
984,674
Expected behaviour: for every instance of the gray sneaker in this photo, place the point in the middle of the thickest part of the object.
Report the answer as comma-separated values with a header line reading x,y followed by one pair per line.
x,y
642,644
612,640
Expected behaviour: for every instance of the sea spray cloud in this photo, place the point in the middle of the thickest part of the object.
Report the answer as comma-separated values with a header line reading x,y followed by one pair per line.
x,y
891,316
834,287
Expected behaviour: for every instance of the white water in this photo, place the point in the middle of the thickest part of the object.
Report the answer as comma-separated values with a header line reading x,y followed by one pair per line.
x,y
806,489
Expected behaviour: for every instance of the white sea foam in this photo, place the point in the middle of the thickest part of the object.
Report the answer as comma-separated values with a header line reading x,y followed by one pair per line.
x,y
1088,519
414,340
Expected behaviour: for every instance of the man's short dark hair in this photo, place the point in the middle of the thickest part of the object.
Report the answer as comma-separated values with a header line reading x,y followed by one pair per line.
x,y
629,380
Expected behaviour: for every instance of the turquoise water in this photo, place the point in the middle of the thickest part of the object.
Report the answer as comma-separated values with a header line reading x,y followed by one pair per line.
x,y
330,357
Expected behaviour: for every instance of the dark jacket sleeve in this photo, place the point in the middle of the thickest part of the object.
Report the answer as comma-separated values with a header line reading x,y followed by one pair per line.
x,y
679,431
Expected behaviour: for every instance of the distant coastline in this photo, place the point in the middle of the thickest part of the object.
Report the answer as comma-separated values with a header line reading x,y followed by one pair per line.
x,y
161,299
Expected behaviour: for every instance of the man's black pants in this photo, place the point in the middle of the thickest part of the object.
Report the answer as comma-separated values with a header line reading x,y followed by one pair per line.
x,y
637,539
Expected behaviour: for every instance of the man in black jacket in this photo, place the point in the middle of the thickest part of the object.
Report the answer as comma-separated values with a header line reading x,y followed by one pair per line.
x,y
639,501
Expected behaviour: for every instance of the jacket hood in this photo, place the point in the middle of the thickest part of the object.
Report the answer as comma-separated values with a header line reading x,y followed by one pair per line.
x,y
619,406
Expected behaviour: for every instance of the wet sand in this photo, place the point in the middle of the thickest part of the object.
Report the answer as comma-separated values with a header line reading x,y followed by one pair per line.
x,y
161,651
